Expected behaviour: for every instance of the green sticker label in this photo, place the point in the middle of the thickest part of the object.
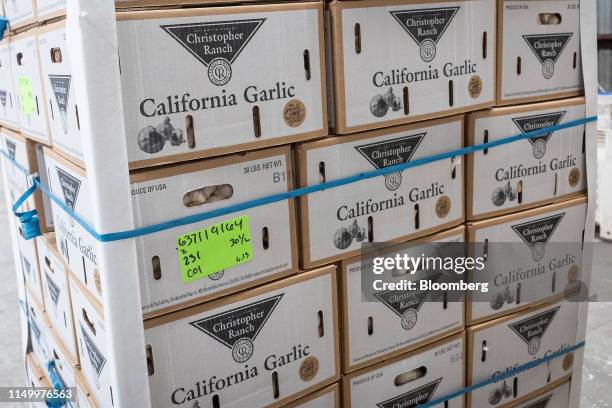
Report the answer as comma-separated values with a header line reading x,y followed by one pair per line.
x,y
26,95
215,248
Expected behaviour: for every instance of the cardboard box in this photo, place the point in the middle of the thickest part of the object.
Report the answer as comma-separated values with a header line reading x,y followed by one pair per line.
x,y
177,191
39,331
398,321
20,13
84,398
410,379
92,342
328,397
557,397
9,111
36,378
56,292
28,84
531,257
253,74
28,258
398,61
64,122
503,344
267,346
49,9
396,207
539,50
65,365
28,155
526,173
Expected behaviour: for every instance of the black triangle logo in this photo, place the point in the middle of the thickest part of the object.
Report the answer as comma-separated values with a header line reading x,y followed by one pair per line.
x,y
61,88
413,398
405,304
70,187
536,122
426,26
11,147
219,39
391,152
96,358
532,329
238,328
3,98
541,403
548,47
54,290
537,233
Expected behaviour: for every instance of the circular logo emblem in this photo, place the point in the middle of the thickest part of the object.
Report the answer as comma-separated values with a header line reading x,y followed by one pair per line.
x,y
548,69
309,368
428,50
537,252
568,361
216,275
393,181
533,346
539,148
475,86
572,274
409,319
242,350
498,197
294,113
219,71
574,177
443,206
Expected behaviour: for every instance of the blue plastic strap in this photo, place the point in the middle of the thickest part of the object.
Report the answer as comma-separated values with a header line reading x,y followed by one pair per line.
x,y
503,376
30,224
56,383
3,26
121,235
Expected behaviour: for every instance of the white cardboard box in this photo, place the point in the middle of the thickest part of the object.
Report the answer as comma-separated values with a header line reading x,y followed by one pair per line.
x,y
27,81
263,347
64,364
328,397
402,61
527,173
64,121
164,194
557,397
48,9
395,207
39,331
207,81
503,344
410,379
9,111
531,256
539,50
20,13
398,321
28,258
56,292
92,342
35,377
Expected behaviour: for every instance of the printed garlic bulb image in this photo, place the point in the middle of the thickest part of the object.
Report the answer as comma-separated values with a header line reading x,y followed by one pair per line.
x,y
165,128
510,192
392,100
498,197
378,106
150,140
342,238
497,301
177,137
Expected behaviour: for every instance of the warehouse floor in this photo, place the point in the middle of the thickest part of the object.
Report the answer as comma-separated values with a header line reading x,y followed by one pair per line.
x,y
598,363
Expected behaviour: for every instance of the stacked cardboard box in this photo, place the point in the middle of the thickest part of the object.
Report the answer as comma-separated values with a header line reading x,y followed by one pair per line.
x,y
232,103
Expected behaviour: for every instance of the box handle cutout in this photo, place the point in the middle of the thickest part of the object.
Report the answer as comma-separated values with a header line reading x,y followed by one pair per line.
x,y
216,401
417,217
549,18
409,376
190,132
48,263
150,363
485,250
451,90
321,172
370,229
453,168
19,58
84,269
575,61
406,97
483,352
65,321
208,194
321,323
583,140
307,64
51,109
88,322
445,300
370,325
265,238
76,112
556,182
486,140
518,293
484,45
519,191
56,55
156,264
554,282
275,390
549,371
37,107
256,121
515,387
111,396
519,65
357,38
